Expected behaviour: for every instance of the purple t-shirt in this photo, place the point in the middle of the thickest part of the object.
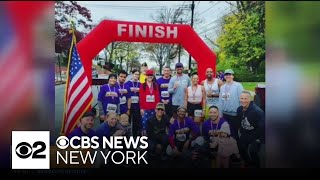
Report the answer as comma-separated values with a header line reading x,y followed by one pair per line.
x,y
163,85
208,125
105,97
187,123
124,92
134,95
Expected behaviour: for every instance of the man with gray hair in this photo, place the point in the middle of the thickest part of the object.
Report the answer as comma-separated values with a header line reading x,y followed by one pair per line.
x,y
252,129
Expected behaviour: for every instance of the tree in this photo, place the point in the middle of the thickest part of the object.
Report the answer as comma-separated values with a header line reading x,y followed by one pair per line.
x,y
163,54
242,41
65,11
109,51
123,53
134,64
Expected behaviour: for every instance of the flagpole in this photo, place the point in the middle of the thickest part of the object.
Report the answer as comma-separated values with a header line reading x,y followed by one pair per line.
x,y
73,42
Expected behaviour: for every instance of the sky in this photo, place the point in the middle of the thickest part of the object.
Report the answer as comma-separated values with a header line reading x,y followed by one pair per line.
x,y
141,11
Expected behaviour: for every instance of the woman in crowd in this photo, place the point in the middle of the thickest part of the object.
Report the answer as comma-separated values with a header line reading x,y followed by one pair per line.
x,y
195,99
149,97
108,97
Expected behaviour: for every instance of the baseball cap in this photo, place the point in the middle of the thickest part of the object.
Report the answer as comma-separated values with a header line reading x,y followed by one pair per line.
x,y
149,72
88,114
181,107
229,71
179,65
160,106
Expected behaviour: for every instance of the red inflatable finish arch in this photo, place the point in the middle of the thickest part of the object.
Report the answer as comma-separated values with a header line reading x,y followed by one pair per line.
x,y
108,31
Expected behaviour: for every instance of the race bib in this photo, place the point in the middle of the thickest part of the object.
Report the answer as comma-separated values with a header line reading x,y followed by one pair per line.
x,y
123,91
123,100
110,94
164,85
150,98
225,96
197,113
164,93
181,137
111,107
135,99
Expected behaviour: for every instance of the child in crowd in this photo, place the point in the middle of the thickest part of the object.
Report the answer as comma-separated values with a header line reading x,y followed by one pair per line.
x,y
124,124
227,146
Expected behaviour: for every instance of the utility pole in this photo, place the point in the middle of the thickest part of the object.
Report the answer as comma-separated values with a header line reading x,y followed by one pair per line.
x,y
180,44
192,12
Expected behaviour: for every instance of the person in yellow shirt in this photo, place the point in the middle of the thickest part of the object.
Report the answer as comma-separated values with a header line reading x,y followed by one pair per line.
x,y
144,68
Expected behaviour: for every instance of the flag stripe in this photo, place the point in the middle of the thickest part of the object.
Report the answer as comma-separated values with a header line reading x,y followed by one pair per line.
x,y
74,88
77,92
78,106
78,97
74,103
78,115
75,79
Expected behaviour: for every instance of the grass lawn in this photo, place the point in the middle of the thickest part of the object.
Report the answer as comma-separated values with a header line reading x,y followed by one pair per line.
x,y
250,86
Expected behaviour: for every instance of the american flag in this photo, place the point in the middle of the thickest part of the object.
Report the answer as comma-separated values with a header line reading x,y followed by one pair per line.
x,y
78,97
16,78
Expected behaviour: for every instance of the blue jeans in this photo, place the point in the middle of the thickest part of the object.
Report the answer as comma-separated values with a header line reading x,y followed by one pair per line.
x,y
146,116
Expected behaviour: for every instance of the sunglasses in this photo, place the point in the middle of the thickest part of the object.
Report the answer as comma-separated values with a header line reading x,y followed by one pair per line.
x,y
159,109
228,74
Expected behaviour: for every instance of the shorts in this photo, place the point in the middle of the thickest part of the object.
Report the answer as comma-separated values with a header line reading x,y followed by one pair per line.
x,y
192,107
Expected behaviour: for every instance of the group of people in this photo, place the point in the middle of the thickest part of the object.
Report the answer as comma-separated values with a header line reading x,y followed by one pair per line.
x,y
181,117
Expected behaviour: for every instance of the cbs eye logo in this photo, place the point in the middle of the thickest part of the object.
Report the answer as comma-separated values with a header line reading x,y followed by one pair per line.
x,y
30,150
24,150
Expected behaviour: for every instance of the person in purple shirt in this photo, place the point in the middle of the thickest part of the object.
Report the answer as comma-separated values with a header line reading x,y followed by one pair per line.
x,y
211,127
182,132
108,97
135,115
109,127
85,128
124,90
221,76
165,96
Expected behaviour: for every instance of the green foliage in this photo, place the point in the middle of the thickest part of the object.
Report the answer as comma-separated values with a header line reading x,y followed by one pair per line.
x,y
244,75
242,42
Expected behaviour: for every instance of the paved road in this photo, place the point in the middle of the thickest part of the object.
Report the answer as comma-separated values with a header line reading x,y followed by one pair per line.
x,y
59,104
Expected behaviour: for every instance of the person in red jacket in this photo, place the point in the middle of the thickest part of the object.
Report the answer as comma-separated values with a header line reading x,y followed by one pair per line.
x,y
149,97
